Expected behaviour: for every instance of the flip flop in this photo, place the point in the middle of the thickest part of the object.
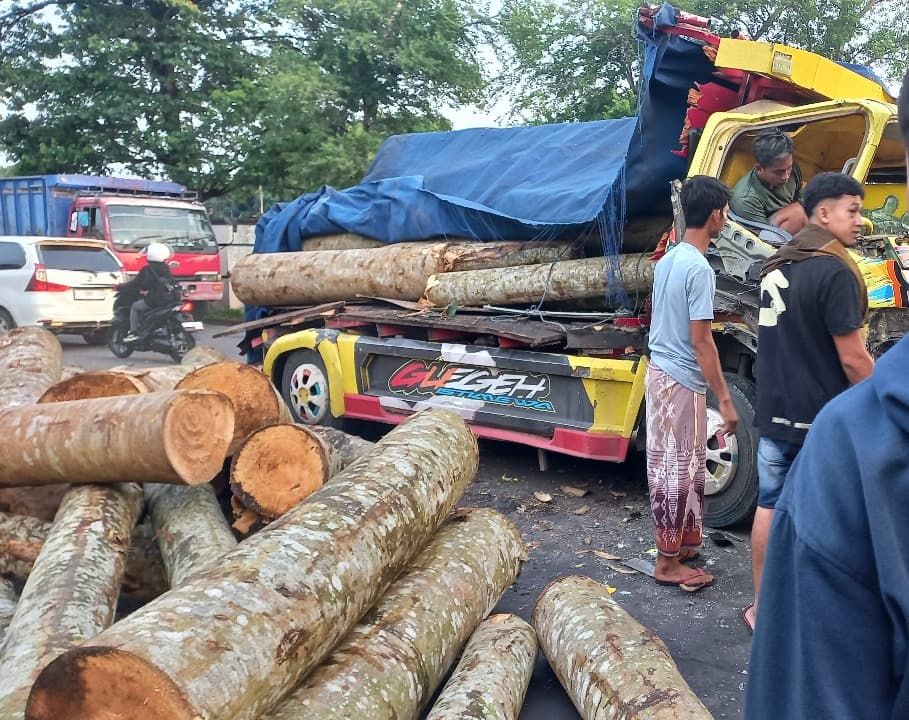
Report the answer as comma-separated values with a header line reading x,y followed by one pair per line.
x,y
686,582
745,618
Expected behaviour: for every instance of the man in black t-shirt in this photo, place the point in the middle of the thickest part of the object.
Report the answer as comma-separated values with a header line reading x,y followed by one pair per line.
x,y
810,347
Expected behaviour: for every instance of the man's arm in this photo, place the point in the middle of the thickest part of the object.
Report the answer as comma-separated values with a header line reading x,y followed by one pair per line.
x,y
709,361
854,357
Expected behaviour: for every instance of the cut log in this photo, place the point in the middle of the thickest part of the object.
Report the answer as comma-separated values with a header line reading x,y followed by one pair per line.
x,y
611,666
31,360
8,599
492,675
38,502
176,437
256,401
566,280
389,665
279,466
341,241
71,594
158,379
190,528
69,370
21,539
94,384
202,355
398,272
238,636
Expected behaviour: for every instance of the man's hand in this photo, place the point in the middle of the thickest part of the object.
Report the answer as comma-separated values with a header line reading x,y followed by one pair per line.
x,y
730,416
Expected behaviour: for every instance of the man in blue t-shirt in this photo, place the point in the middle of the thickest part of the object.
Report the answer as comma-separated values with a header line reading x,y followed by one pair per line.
x,y
683,361
810,345
833,636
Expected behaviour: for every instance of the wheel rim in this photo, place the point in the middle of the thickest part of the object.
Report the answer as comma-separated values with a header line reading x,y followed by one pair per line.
x,y
4,325
722,455
308,392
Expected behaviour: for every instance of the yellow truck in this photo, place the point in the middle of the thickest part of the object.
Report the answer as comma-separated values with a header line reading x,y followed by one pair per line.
x,y
583,394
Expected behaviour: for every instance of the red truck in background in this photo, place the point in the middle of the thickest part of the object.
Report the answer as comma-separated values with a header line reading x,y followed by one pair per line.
x,y
127,214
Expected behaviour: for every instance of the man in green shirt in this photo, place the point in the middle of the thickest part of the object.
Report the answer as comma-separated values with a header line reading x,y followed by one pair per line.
x,y
771,192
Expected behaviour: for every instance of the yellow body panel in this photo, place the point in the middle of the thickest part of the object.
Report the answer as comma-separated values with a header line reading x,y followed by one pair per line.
x,y
615,388
801,68
328,351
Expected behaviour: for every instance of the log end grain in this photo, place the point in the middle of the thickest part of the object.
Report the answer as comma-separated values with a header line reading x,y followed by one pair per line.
x,y
277,468
198,428
96,384
92,682
255,400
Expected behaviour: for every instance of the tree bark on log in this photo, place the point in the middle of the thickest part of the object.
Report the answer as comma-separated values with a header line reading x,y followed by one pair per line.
x,y
612,667
177,437
31,360
21,539
8,600
71,594
251,626
279,466
389,665
190,528
492,675
256,401
565,280
397,271
94,384
340,241
159,379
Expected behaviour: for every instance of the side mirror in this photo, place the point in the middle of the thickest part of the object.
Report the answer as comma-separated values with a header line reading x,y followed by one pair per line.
x,y
84,219
173,264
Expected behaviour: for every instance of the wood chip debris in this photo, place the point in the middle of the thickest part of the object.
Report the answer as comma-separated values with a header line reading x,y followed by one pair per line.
x,y
573,491
543,497
583,510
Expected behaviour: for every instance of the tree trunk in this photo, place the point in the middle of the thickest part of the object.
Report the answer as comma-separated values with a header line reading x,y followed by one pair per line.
x,y
612,667
492,675
565,280
279,466
397,271
341,241
8,601
256,401
21,539
202,355
69,370
238,636
31,360
159,379
389,665
176,437
190,528
71,594
94,384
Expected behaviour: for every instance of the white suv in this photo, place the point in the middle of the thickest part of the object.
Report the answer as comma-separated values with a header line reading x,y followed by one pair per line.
x,y
65,285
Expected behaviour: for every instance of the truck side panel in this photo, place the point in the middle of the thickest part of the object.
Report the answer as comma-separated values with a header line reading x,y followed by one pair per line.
x,y
32,206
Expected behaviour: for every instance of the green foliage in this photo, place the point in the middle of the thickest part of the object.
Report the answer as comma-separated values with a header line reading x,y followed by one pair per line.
x,y
579,61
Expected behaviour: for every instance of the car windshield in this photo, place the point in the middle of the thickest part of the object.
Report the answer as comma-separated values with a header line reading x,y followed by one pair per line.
x,y
89,259
133,227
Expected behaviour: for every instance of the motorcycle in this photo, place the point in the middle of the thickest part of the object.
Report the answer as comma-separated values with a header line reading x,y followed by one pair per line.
x,y
166,329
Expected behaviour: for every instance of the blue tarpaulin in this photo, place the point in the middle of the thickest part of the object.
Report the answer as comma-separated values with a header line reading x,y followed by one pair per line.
x,y
532,182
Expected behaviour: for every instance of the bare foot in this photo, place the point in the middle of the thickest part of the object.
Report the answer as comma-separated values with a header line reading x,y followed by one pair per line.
x,y
671,571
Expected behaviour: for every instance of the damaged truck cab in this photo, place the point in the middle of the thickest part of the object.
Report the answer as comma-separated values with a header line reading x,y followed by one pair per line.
x,y
585,395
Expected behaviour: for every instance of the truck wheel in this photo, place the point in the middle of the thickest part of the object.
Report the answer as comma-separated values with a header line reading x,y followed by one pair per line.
x,y
304,387
6,321
200,309
731,486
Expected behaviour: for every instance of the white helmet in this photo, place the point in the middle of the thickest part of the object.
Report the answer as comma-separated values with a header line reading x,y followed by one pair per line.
x,y
157,252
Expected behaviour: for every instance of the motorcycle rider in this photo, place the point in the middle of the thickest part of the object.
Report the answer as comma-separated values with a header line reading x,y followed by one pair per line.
x,y
156,280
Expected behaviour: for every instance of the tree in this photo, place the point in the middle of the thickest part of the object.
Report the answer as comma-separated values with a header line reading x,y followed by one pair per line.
x,y
346,74
580,61
160,88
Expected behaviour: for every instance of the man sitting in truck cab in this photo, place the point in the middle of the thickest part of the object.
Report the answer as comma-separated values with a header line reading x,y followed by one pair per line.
x,y
770,192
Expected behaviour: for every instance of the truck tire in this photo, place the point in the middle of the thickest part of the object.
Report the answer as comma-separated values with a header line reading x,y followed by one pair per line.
x,y
304,387
200,309
732,477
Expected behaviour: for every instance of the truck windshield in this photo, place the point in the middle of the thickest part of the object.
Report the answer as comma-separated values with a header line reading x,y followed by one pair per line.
x,y
132,227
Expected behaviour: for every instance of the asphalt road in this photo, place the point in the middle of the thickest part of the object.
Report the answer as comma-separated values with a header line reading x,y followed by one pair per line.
x,y
702,630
